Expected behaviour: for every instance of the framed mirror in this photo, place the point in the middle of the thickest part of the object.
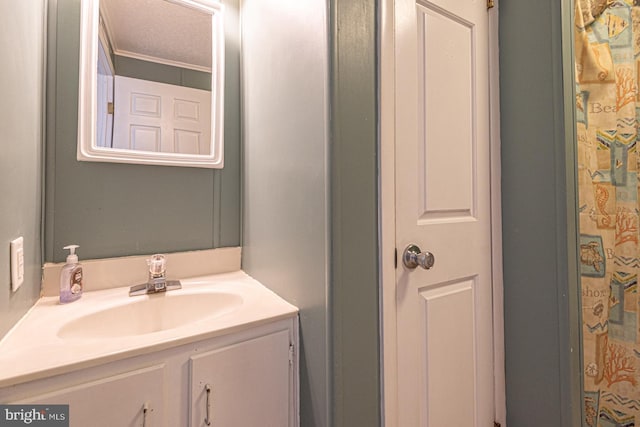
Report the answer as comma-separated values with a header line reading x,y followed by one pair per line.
x,y
151,82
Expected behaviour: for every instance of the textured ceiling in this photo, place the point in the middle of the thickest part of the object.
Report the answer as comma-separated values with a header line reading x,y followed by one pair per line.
x,y
159,31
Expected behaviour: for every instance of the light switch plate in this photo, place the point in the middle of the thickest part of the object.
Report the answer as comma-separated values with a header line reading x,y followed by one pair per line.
x,y
17,263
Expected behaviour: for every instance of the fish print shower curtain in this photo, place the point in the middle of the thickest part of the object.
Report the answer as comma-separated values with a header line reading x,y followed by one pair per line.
x,y
607,60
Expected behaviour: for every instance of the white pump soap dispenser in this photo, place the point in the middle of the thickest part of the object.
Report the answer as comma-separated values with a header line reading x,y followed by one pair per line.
x,y
71,277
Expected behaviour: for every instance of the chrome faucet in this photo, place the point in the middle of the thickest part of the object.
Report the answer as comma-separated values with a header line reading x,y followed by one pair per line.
x,y
157,274
157,281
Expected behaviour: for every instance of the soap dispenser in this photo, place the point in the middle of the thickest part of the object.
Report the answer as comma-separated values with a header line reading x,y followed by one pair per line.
x,y
71,277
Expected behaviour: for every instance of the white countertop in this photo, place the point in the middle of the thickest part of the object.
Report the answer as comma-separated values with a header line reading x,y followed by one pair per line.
x,y
33,349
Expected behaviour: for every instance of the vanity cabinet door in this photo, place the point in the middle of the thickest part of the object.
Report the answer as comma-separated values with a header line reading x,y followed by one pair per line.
x,y
250,384
117,400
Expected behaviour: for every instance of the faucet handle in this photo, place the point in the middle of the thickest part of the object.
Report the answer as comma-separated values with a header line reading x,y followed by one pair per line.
x,y
157,265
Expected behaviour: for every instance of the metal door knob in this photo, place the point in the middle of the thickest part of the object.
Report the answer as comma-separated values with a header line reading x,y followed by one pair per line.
x,y
413,257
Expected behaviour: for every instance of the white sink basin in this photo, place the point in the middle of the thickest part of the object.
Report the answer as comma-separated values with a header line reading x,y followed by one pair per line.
x,y
151,313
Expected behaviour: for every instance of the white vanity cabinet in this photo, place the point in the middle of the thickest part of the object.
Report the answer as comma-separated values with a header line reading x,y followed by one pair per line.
x,y
252,375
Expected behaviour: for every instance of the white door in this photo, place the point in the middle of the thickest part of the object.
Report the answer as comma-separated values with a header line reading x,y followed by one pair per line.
x,y
104,121
159,117
445,374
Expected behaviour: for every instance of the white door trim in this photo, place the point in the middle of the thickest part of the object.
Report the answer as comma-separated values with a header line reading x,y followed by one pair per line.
x,y
387,218
496,220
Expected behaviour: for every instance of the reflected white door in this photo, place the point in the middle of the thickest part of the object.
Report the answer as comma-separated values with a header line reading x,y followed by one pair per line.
x,y
159,117
104,95
444,314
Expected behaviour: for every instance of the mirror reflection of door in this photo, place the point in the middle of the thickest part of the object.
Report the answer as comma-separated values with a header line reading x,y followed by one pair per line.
x,y
104,128
154,78
159,117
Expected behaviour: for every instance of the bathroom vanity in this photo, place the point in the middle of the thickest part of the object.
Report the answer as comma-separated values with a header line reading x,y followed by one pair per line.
x,y
161,360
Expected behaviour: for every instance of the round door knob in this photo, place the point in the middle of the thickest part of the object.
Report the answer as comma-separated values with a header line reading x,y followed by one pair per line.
x,y
413,257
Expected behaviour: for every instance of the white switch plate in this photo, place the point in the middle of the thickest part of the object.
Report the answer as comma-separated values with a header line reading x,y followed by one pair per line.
x,y
17,263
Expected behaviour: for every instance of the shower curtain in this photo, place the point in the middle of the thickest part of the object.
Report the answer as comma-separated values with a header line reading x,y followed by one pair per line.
x,y
607,60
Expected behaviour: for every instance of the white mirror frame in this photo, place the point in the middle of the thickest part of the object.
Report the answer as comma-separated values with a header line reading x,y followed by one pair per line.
x,y
87,96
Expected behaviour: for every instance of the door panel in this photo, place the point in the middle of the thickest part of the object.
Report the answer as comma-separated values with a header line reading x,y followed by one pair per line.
x,y
449,325
249,384
159,117
445,97
118,400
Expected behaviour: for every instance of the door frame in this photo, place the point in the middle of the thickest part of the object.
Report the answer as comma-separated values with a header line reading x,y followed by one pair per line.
x,y
386,184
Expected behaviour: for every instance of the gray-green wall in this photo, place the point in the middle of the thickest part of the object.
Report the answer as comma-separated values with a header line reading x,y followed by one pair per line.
x,y
22,49
285,175
354,215
538,215
310,192
162,73
117,209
